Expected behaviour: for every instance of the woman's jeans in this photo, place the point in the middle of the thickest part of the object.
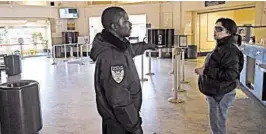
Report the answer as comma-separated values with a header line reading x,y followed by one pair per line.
x,y
218,110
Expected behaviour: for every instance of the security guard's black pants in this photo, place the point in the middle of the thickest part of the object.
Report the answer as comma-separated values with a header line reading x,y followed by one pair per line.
x,y
111,127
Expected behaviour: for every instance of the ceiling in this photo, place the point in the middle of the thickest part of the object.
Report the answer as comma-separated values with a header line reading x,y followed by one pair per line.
x,y
72,3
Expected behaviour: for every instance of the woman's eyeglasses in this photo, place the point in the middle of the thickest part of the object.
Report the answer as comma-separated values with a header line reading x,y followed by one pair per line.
x,y
219,28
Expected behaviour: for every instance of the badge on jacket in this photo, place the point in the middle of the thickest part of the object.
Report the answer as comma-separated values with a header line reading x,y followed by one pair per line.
x,y
117,73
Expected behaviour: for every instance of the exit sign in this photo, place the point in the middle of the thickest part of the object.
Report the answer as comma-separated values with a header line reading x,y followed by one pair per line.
x,y
213,3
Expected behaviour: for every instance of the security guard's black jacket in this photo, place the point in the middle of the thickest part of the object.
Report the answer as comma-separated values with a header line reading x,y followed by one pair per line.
x,y
117,84
222,69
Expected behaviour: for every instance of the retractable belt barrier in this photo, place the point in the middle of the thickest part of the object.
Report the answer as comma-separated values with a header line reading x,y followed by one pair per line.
x,y
177,86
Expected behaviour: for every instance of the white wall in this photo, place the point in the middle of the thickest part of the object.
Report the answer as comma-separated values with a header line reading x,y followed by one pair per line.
x,y
151,10
155,13
138,26
28,11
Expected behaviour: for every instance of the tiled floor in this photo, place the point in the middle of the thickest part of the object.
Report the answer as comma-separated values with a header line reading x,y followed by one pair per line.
x,y
68,101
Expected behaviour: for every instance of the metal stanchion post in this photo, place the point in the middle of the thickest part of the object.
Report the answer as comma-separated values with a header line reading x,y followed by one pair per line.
x,y
87,45
149,65
53,51
77,45
21,41
71,52
150,73
175,75
173,58
21,53
142,70
65,53
175,98
81,55
179,74
160,51
183,67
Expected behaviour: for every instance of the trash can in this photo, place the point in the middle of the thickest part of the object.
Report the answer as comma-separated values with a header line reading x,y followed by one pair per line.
x,y
20,109
192,52
12,64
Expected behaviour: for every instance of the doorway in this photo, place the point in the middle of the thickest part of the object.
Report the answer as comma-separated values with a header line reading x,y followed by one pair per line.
x,y
95,26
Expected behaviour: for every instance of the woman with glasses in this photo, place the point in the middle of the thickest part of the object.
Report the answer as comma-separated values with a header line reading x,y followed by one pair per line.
x,y
219,77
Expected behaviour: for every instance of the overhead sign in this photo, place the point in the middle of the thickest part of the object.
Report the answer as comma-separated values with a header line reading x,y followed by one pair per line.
x,y
213,3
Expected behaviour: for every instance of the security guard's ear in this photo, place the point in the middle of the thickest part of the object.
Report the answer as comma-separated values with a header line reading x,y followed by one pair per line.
x,y
113,26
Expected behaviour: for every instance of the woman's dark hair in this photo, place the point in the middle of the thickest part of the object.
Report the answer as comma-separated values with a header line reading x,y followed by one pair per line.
x,y
229,25
239,40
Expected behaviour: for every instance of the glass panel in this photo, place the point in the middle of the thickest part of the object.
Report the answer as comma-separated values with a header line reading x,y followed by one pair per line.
x,y
9,39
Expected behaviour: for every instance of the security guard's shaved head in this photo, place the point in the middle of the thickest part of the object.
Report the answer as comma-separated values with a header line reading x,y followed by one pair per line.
x,y
111,15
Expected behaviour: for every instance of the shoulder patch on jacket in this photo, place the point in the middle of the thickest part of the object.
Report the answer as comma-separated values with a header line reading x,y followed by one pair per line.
x,y
118,73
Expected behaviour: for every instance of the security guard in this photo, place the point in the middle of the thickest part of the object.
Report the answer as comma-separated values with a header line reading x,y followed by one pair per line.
x,y
117,85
